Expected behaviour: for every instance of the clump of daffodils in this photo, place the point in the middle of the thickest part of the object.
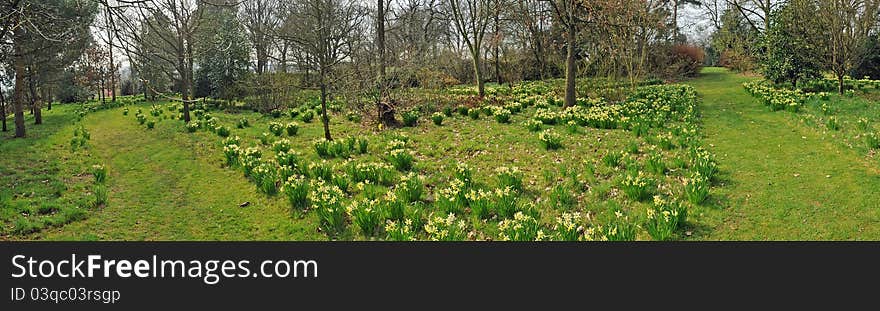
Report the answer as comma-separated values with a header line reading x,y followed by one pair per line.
x,y
663,218
447,228
366,215
568,227
550,140
327,200
400,231
637,186
452,199
296,188
510,177
521,228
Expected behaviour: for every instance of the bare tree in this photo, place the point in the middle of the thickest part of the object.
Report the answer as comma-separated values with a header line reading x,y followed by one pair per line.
x,y
323,30
848,22
471,18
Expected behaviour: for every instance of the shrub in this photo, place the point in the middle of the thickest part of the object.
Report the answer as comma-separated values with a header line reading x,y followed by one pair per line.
x,y
411,118
637,186
447,228
696,188
327,200
510,177
474,113
366,215
399,231
502,116
437,118
292,128
307,116
100,173
401,159
296,188
550,140
521,228
222,131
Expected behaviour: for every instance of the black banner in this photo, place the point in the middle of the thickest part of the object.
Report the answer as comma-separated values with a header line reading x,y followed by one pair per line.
x,y
130,275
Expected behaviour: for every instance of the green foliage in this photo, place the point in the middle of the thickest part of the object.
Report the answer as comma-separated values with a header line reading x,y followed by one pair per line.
x,y
550,139
411,118
437,118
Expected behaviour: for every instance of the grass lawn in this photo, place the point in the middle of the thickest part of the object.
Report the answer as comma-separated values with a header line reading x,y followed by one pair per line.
x,y
781,177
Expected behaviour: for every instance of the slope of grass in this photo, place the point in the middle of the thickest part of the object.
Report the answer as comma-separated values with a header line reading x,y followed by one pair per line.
x,y
785,180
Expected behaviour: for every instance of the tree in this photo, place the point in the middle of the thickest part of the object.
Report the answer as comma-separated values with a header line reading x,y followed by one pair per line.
x,y
791,50
222,54
570,15
41,31
848,23
260,20
471,18
324,30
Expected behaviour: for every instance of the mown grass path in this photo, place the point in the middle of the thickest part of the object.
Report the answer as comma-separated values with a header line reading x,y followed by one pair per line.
x,y
162,188
781,179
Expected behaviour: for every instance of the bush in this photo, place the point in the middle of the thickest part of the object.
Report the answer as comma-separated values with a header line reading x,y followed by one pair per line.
x,y
411,118
676,61
437,118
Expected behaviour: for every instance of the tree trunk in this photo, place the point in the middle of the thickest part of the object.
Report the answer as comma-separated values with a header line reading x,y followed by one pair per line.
x,y
35,102
184,82
324,118
3,110
497,45
570,68
112,63
18,90
840,83
384,111
478,73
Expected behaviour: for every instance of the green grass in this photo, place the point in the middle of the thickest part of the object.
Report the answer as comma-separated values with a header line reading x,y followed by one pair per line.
x,y
781,176
783,179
